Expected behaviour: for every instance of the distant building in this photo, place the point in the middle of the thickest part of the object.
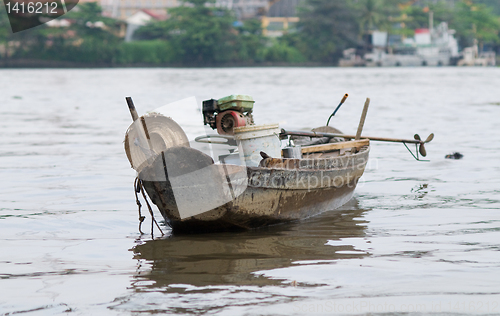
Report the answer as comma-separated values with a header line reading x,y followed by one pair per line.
x,y
245,9
278,16
138,19
281,18
123,9
284,8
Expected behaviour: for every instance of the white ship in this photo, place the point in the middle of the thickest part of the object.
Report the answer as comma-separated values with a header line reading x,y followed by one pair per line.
x,y
429,47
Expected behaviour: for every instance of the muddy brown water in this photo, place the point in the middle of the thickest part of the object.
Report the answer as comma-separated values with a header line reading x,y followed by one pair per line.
x,y
418,238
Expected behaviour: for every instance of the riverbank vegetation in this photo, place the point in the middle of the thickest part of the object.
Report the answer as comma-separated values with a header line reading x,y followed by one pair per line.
x,y
201,34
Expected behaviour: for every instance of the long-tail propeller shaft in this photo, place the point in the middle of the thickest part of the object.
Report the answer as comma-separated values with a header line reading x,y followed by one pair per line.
x,y
419,143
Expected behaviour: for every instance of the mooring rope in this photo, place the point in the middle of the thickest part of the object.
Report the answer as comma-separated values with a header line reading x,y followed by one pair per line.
x,y
138,187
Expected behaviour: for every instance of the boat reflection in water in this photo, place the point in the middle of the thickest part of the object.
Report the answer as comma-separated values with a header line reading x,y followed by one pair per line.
x,y
236,258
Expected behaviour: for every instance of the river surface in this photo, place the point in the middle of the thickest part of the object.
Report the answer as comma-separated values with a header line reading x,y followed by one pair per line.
x,y
418,237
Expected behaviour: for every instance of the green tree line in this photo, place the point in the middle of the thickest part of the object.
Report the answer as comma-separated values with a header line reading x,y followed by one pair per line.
x,y
201,34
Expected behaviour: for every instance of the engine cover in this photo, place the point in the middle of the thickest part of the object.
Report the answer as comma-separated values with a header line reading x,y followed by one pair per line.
x,y
226,122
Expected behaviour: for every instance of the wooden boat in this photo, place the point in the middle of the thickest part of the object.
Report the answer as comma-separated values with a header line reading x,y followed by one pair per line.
x,y
195,195
279,190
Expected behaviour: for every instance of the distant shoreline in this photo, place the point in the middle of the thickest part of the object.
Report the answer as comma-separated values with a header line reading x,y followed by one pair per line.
x,y
40,63
53,64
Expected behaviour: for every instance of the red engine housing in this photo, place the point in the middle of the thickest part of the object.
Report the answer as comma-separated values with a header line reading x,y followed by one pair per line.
x,y
226,122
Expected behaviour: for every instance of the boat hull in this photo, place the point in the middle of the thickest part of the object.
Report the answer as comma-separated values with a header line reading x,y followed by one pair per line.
x,y
295,190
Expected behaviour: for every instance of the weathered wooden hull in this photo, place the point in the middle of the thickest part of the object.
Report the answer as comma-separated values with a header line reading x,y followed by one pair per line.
x,y
294,190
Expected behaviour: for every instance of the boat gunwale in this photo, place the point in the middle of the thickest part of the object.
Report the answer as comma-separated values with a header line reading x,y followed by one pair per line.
x,y
364,151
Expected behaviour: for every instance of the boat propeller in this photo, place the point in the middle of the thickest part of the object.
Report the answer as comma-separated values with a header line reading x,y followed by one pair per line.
x,y
421,148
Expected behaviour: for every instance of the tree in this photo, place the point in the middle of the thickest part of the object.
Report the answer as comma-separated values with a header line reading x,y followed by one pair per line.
x,y
416,17
92,37
83,41
250,41
4,34
475,21
326,28
376,14
199,32
17,44
493,4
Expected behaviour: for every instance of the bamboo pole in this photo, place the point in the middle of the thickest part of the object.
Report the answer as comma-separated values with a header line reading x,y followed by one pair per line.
x,y
132,109
362,119
135,117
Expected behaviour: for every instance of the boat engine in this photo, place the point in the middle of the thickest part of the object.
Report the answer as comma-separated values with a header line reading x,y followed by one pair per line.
x,y
227,113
